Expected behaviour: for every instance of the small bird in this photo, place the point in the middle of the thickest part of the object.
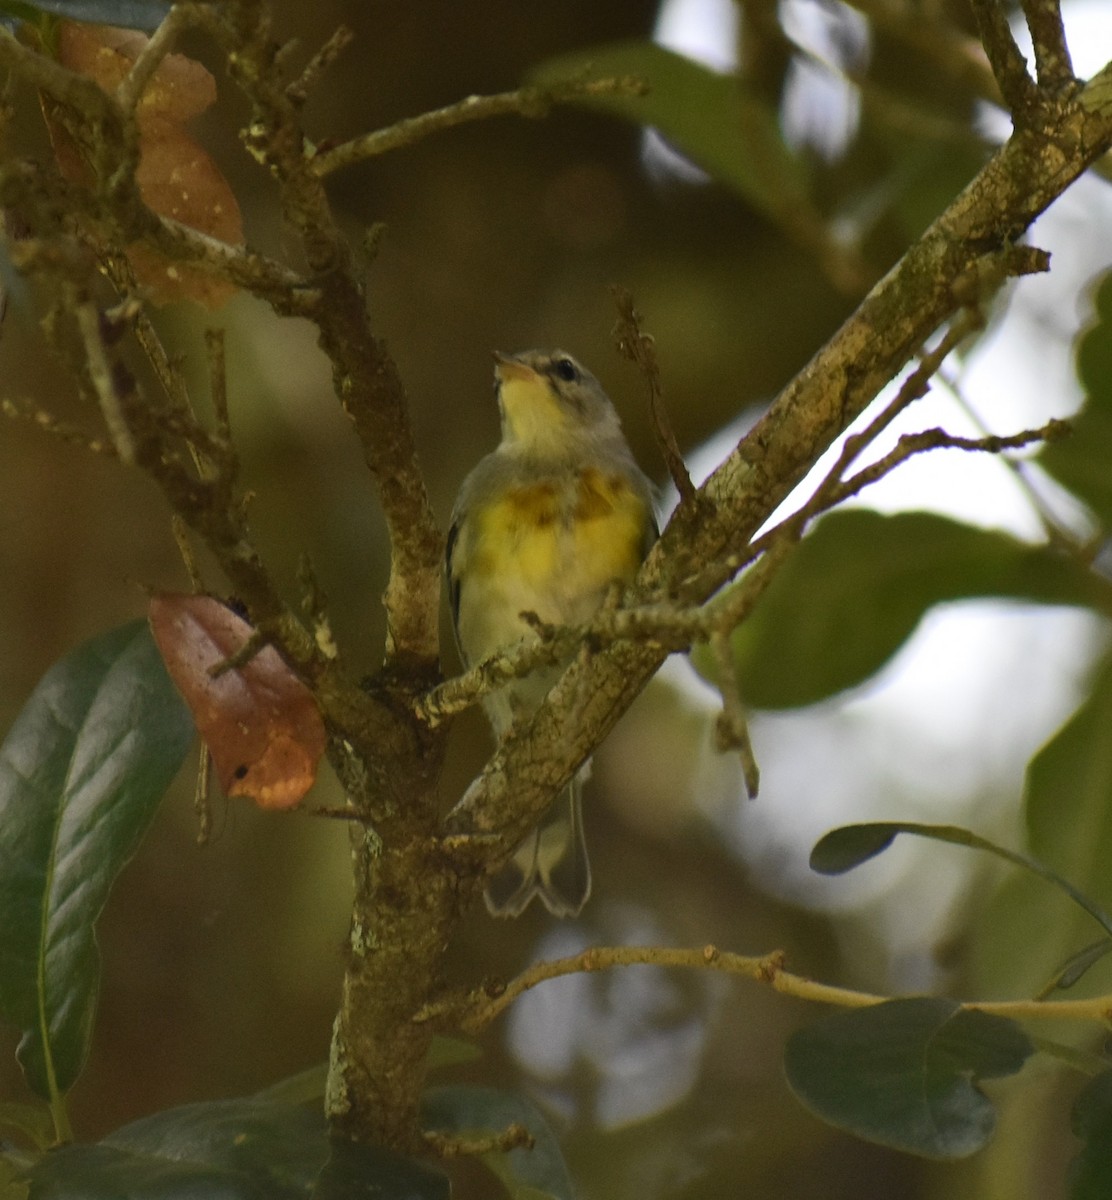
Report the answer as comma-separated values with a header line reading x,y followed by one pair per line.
x,y
545,524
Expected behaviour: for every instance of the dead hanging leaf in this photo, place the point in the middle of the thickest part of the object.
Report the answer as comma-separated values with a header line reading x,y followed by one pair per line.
x,y
181,87
259,721
176,176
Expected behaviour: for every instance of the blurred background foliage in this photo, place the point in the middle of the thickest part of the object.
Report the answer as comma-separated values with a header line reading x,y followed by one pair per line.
x,y
222,964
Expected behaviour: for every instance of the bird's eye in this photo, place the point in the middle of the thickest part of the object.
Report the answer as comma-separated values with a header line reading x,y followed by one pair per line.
x,y
565,369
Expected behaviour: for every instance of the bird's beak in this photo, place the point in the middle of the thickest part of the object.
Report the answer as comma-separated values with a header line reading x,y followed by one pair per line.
x,y
507,368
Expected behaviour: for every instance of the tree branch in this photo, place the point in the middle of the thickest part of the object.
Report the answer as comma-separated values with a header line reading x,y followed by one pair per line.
x,y
150,58
894,320
486,1004
365,376
337,42
911,444
531,102
1008,65
1048,36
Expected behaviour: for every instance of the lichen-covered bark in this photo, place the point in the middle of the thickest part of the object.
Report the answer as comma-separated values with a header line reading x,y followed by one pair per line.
x,y
406,908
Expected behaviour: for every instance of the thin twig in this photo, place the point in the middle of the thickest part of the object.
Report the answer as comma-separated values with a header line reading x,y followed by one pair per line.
x,y
314,603
674,628
256,642
792,528
218,382
640,349
911,444
1048,36
485,1005
26,410
49,76
212,456
513,1137
130,91
1056,532
288,292
732,726
167,370
180,532
467,689
525,102
202,796
1008,65
298,91
913,388
104,382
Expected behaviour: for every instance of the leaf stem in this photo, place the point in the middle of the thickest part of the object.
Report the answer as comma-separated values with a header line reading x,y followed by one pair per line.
x,y
63,1130
1083,1061
957,836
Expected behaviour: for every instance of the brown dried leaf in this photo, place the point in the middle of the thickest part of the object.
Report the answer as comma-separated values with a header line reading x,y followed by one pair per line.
x,y
259,721
166,281
180,88
177,178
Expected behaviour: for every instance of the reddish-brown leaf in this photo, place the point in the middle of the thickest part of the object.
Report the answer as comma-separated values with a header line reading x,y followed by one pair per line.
x,y
180,88
177,178
259,721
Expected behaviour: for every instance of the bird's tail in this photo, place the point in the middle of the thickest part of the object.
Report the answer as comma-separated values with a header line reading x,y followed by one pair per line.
x,y
550,863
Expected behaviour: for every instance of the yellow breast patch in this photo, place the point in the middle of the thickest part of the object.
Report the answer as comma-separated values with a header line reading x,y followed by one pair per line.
x,y
609,526
564,538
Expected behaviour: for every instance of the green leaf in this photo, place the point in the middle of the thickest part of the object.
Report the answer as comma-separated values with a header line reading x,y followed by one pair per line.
x,y
12,1186
708,116
1068,803
229,1148
478,1111
856,588
1025,936
847,847
451,1052
232,1149
355,1172
903,1073
1069,788
1081,462
32,1120
1091,1171
306,1087
81,773
132,14
1077,965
